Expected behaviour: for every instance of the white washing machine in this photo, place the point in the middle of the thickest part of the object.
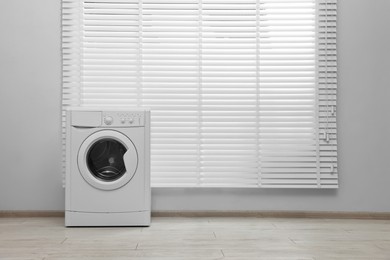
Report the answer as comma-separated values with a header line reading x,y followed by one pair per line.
x,y
107,167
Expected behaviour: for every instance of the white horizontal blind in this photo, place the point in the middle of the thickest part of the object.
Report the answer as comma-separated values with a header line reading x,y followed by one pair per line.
x,y
287,93
71,64
242,92
110,52
170,87
327,91
228,149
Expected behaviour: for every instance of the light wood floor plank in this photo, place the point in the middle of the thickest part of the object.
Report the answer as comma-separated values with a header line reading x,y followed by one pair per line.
x,y
233,238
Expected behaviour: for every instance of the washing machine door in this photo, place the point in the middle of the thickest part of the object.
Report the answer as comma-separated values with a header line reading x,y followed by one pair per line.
x,y
107,160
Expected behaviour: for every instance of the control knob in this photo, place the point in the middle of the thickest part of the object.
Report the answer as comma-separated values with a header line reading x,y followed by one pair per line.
x,y
108,120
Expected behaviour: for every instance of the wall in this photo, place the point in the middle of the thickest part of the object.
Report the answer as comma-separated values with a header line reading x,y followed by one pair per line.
x,y
30,79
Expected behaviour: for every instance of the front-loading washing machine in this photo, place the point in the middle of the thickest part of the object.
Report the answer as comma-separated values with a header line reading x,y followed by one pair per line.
x,y
107,167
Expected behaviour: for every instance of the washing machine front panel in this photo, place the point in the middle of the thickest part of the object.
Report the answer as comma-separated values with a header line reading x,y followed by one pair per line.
x,y
107,160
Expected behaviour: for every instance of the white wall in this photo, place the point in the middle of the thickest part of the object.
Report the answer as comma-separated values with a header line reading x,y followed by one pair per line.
x,y
30,78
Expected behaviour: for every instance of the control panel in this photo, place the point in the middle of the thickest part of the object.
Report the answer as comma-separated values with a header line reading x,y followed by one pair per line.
x,y
123,119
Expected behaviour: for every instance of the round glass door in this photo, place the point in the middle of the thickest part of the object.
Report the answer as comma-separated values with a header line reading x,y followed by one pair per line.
x,y
107,159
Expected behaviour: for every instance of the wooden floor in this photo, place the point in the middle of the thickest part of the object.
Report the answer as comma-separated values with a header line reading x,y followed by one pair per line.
x,y
198,238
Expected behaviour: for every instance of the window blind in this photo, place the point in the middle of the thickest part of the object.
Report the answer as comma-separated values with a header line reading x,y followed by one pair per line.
x,y
242,92
327,92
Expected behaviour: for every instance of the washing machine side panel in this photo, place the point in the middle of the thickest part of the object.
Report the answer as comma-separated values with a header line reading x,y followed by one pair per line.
x,y
130,197
147,177
68,152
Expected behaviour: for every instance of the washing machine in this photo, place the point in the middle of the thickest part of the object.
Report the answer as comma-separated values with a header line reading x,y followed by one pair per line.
x,y
107,167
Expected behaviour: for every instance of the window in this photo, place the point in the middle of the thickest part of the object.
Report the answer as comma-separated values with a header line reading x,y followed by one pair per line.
x,y
242,92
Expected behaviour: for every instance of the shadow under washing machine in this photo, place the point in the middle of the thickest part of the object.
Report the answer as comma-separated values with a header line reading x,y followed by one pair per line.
x,y
107,167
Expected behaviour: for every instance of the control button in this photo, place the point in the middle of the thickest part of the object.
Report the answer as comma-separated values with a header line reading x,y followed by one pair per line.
x,y
108,120
123,120
131,120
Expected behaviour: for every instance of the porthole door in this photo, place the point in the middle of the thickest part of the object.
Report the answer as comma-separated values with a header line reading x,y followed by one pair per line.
x,y
107,160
